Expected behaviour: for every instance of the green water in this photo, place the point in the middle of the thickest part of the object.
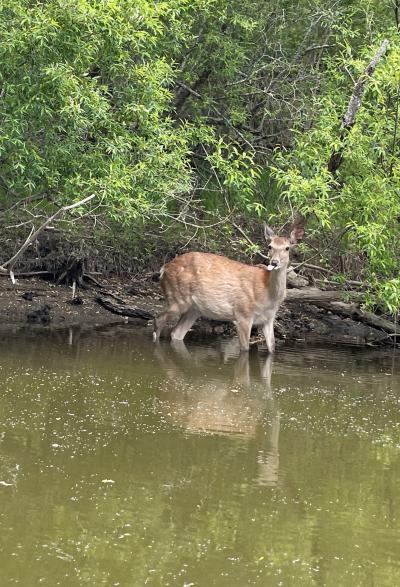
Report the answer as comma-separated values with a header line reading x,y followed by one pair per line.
x,y
133,464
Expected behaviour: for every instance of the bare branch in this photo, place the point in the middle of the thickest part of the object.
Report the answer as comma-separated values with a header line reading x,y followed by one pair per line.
x,y
355,100
318,47
354,104
187,91
248,240
396,7
316,267
35,233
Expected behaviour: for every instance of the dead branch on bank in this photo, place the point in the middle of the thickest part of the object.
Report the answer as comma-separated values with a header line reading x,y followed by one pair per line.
x,y
122,309
35,233
28,273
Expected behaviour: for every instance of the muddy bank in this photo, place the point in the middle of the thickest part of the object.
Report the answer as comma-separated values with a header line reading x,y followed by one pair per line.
x,y
35,301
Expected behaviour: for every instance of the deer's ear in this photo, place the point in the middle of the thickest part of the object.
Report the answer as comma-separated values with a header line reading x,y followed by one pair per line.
x,y
296,235
268,232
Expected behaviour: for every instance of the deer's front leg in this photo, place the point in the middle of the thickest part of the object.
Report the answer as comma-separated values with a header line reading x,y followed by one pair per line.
x,y
268,331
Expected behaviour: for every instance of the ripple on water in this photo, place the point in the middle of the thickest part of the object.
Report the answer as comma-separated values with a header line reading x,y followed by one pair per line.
x,y
177,465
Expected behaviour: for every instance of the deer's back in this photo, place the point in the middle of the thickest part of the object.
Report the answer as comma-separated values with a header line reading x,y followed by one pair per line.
x,y
216,286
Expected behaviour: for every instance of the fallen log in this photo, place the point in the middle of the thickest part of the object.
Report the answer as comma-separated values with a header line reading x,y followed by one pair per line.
x,y
355,313
334,301
119,307
314,295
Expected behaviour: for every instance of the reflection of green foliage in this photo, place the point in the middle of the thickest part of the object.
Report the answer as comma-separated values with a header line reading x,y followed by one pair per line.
x,y
191,507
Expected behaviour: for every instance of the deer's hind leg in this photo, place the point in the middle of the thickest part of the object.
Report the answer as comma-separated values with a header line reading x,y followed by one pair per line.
x,y
186,321
243,325
170,313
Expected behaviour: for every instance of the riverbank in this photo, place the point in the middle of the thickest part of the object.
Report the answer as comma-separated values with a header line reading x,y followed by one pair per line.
x,y
36,301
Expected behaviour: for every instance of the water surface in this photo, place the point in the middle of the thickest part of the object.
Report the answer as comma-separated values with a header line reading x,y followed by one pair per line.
x,y
127,463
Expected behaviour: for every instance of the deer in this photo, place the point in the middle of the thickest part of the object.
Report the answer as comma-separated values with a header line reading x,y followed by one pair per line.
x,y
212,286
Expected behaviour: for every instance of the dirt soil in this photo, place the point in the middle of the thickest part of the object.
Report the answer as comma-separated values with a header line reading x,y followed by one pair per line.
x,y
36,301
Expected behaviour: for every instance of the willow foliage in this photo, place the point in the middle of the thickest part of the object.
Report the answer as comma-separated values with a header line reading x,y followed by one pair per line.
x,y
173,108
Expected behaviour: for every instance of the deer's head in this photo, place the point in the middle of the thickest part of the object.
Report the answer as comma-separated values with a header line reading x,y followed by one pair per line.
x,y
279,246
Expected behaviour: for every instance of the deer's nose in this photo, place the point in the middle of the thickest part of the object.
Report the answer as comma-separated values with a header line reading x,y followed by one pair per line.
x,y
274,263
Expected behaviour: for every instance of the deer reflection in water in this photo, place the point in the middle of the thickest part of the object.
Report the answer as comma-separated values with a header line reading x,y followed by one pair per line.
x,y
222,391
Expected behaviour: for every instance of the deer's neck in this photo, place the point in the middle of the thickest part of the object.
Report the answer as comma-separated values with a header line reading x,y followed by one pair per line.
x,y
277,284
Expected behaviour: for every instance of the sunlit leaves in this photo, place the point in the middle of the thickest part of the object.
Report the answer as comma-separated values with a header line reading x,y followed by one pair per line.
x,y
364,193
85,94
237,169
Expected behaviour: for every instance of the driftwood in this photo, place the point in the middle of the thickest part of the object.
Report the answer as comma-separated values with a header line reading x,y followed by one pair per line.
x,y
355,313
333,301
120,308
314,295
27,273
294,280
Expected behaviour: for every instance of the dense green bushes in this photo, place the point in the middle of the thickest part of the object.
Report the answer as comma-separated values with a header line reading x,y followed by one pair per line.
x,y
361,198
85,97
174,112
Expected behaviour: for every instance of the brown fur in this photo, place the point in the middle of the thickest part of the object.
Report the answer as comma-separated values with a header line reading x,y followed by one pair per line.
x,y
204,284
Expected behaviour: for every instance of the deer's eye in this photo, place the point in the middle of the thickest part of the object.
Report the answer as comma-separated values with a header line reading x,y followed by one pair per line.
x,y
287,248
269,247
